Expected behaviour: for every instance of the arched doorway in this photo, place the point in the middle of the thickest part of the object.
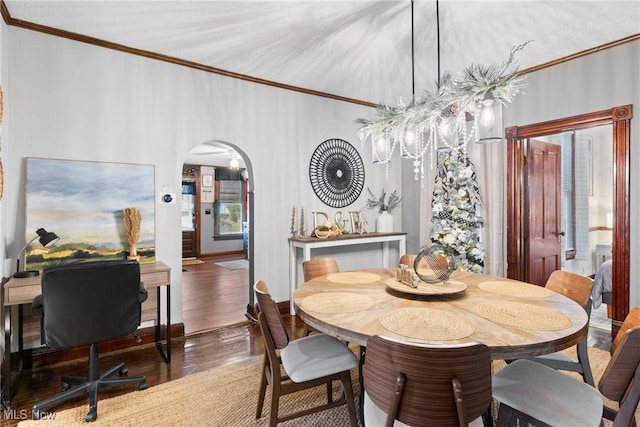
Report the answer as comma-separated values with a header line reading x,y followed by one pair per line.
x,y
217,245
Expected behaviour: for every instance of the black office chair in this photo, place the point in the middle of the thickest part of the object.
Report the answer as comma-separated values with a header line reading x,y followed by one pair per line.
x,y
85,304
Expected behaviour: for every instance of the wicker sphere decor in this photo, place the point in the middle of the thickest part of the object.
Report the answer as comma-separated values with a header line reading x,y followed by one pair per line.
x,y
336,172
434,264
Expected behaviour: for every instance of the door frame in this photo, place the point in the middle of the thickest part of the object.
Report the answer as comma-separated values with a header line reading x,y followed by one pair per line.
x,y
620,119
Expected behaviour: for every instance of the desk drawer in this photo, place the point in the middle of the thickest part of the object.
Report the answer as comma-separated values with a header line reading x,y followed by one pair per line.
x,y
152,280
21,294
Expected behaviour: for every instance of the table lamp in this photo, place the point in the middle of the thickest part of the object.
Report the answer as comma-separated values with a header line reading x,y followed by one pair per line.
x,y
47,239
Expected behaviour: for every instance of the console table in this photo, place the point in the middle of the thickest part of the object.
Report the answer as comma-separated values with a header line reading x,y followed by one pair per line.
x,y
307,244
16,292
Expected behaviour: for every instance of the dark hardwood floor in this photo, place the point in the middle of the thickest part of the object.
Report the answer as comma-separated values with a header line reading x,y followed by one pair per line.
x,y
213,296
214,302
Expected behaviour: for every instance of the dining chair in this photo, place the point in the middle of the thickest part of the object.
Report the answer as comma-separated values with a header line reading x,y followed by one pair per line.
x,y
407,259
425,385
537,394
578,288
307,362
319,267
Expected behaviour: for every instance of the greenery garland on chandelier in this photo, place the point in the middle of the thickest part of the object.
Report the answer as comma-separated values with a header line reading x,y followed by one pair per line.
x,y
455,205
448,118
455,103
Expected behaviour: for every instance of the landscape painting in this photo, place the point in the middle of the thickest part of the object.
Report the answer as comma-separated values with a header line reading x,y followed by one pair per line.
x,y
82,202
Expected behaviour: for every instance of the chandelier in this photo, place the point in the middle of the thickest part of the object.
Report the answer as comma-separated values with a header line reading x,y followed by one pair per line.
x,y
463,108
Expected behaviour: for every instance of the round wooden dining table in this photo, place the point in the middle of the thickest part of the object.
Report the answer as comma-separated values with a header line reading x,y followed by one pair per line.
x,y
514,319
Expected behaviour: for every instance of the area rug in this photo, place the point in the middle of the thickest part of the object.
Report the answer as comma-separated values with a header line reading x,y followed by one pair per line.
x,y
191,262
238,264
226,396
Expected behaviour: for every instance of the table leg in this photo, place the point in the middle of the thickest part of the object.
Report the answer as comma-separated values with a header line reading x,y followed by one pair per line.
x,y
6,361
293,270
385,255
363,351
165,351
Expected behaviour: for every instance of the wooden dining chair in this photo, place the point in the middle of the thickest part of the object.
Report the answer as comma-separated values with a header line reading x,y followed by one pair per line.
x,y
307,362
425,385
407,259
537,394
317,267
578,288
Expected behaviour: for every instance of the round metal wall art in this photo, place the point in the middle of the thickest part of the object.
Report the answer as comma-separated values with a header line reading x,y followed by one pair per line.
x,y
336,171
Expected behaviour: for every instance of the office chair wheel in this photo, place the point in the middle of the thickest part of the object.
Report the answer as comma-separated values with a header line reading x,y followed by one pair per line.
x,y
65,386
91,416
123,372
142,386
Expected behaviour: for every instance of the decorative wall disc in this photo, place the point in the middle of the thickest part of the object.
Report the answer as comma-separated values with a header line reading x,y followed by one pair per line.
x,y
337,173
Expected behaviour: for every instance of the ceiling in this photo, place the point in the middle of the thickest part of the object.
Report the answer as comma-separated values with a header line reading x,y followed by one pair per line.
x,y
356,50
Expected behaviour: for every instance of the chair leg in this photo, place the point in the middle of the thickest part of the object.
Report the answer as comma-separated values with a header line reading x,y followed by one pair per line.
x,y
583,359
275,405
39,407
262,390
505,415
77,386
347,387
93,402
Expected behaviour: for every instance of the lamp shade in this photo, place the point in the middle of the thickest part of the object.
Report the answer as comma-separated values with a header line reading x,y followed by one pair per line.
x,y
46,239
489,122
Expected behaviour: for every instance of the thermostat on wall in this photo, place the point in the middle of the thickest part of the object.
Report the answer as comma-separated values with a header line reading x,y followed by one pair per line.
x,y
168,198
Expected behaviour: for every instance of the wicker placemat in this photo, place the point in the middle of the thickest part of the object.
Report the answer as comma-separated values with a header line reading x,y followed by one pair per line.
x,y
336,302
426,324
515,289
525,316
353,277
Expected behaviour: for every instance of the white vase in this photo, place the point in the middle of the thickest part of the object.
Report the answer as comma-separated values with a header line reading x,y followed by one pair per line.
x,y
384,222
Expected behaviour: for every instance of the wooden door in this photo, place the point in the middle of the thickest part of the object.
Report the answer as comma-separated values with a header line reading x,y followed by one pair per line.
x,y
544,211
517,136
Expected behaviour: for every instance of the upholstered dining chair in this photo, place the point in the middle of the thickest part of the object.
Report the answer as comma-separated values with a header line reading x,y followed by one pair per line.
x,y
578,288
86,304
537,394
307,362
425,385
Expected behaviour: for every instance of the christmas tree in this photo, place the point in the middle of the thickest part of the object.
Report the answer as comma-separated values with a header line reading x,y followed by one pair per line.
x,y
456,203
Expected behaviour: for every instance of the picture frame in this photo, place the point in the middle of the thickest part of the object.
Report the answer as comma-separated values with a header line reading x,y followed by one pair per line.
x,y
207,180
89,222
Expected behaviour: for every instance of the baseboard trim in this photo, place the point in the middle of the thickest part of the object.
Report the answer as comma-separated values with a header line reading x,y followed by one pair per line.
x,y
44,356
221,254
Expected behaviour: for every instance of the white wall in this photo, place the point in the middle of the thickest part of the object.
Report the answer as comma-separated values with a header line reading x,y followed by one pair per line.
x,y
75,101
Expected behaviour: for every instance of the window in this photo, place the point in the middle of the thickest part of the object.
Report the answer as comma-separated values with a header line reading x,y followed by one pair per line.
x,y
568,195
230,205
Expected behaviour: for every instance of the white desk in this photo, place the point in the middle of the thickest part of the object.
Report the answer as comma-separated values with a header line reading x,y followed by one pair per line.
x,y
307,244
